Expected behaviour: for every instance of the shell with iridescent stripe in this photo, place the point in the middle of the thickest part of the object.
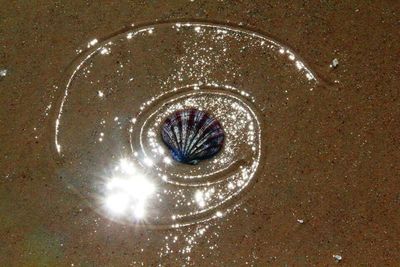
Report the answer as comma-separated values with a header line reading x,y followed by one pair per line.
x,y
192,135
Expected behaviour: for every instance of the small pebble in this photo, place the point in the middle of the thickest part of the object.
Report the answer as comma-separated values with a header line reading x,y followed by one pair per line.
x,y
3,73
335,63
300,221
337,258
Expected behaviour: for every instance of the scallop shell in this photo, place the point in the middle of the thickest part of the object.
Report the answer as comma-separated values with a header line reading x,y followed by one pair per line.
x,y
192,135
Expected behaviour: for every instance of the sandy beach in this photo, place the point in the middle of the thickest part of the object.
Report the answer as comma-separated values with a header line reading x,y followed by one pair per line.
x,y
328,190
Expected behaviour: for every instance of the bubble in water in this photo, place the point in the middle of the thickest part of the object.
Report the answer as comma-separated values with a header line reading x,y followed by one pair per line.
x,y
117,95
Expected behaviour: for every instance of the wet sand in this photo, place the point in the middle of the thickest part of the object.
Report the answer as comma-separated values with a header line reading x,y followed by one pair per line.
x,y
331,178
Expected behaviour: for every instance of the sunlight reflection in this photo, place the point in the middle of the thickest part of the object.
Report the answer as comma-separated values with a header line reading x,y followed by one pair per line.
x,y
127,192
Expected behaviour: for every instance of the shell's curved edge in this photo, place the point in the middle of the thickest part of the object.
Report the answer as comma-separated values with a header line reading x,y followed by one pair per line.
x,y
192,135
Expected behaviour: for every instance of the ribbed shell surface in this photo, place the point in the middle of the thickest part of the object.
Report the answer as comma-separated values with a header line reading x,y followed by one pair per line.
x,y
192,135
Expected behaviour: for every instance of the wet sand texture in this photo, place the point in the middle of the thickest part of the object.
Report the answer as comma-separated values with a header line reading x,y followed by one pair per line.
x,y
325,189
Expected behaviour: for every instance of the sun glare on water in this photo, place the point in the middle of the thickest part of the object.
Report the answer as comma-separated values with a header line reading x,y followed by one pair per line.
x,y
127,192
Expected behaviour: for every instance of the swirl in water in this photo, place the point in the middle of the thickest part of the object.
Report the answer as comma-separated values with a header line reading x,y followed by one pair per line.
x,y
118,93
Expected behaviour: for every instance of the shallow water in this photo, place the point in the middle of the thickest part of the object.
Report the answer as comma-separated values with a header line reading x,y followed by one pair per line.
x,y
118,92
308,173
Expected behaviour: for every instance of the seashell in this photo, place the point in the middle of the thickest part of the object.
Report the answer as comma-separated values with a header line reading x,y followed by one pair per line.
x,y
192,135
